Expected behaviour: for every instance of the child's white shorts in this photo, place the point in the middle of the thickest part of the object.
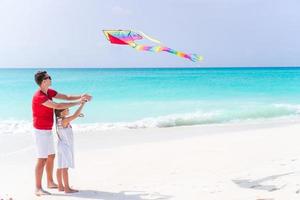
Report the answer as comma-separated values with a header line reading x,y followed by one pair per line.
x,y
44,143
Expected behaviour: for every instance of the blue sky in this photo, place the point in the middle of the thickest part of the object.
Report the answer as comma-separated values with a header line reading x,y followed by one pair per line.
x,y
67,33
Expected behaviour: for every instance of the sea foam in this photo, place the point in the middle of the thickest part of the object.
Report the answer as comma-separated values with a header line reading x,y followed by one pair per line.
x,y
256,113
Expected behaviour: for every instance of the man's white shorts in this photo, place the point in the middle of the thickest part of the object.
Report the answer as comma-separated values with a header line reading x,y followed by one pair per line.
x,y
44,143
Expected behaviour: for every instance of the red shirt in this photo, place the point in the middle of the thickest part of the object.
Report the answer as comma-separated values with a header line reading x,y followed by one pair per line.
x,y
42,115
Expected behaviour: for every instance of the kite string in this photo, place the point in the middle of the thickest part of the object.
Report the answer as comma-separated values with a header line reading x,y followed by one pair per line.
x,y
91,83
149,38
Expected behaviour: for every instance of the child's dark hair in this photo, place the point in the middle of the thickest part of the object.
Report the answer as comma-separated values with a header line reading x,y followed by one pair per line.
x,y
58,112
39,77
57,115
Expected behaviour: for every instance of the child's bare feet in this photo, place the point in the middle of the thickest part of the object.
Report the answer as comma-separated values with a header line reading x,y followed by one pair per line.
x,y
61,188
70,190
40,192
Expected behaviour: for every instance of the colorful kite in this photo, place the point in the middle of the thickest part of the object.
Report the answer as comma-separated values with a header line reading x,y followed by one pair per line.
x,y
128,37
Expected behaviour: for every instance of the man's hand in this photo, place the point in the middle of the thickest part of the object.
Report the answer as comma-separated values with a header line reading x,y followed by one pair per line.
x,y
87,97
83,100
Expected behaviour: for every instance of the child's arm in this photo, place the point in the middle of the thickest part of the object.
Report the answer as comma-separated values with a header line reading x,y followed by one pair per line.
x,y
77,113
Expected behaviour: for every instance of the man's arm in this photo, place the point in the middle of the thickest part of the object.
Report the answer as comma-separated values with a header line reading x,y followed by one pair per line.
x,y
72,97
67,97
51,104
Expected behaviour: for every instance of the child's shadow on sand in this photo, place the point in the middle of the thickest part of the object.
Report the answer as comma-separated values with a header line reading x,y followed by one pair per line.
x,y
123,195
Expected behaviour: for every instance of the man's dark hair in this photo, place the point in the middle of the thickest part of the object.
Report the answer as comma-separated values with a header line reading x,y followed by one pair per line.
x,y
39,77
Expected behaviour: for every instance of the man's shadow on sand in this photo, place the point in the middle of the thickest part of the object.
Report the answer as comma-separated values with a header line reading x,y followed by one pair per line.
x,y
259,183
123,195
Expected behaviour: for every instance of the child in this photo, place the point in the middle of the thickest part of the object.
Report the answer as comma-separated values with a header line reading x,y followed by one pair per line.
x,y
65,151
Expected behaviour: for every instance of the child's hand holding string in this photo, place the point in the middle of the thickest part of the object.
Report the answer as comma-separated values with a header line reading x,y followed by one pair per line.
x,y
83,100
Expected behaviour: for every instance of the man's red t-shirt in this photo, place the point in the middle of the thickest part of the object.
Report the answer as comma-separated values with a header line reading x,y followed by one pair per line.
x,y
42,115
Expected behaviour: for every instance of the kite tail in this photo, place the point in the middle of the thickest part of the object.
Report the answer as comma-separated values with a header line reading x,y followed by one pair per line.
x,y
192,57
196,58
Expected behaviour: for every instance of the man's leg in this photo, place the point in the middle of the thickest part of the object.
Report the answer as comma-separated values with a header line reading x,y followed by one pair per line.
x,y
39,168
49,170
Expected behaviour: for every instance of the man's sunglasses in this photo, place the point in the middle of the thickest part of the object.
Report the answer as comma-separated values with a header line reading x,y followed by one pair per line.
x,y
47,77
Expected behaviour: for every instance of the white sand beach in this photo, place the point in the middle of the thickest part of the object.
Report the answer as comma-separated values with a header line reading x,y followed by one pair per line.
x,y
212,162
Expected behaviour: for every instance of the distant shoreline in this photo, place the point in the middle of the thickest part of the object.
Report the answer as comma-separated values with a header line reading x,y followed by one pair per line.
x,y
200,67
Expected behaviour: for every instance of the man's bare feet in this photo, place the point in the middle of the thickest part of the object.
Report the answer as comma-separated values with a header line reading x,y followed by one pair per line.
x,y
40,192
70,190
52,185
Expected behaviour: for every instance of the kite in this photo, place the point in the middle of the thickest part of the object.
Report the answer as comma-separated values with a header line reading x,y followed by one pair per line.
x,y
128,37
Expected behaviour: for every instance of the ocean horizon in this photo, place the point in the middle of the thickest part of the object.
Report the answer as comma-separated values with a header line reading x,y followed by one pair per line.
x,y
159,97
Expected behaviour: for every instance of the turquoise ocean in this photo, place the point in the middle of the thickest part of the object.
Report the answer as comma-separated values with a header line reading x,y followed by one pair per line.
x,y
159,97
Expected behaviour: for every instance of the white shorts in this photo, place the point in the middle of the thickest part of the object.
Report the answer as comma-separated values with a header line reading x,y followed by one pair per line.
x,y
44,143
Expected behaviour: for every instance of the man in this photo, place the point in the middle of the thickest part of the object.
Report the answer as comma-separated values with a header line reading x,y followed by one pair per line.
x,y
42,109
